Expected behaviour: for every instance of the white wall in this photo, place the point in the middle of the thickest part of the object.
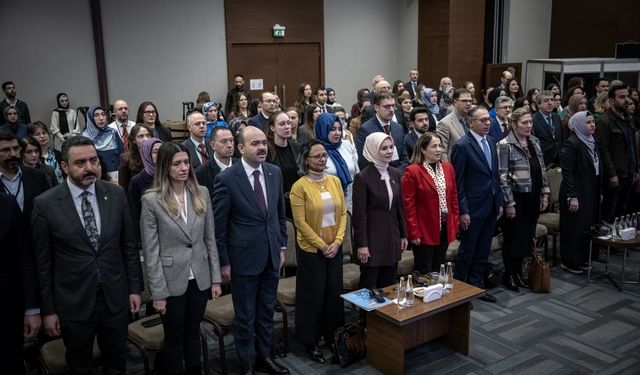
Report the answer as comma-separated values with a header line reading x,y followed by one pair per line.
x,y
407,38
165,51
360,41
527,31
47,49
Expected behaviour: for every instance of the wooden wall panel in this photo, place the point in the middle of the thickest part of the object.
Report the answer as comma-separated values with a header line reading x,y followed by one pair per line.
x,y
451,41
592,27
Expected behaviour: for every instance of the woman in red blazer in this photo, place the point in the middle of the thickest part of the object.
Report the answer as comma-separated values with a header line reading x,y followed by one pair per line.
x,y
430,203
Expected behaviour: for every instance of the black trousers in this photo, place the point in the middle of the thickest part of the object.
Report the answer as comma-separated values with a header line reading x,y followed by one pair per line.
x,y
377,277
11,332
319,308
181,325
428,258
111,330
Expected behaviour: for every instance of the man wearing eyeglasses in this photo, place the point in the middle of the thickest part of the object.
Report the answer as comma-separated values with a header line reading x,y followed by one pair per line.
x,y
268,102
500,124
475,160
454,125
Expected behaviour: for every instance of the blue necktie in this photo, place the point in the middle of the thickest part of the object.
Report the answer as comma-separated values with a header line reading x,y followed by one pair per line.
x,y
486,151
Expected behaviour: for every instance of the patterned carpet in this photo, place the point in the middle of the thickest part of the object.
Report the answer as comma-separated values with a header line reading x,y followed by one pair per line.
x,y
580,327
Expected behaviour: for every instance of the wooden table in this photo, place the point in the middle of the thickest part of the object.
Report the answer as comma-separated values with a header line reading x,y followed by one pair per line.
x,y
390,331
619,244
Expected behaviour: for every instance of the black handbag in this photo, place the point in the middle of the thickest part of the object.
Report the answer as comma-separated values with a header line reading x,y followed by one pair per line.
x,y
349,343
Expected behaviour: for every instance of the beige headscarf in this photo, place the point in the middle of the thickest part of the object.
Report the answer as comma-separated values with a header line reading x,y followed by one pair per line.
x,y
371,149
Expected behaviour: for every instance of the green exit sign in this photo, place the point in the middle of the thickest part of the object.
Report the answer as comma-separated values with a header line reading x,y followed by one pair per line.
x,y
278,31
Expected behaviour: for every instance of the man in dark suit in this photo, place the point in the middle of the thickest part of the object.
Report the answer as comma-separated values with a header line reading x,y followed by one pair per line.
x,y
199,150
18,275
382,122
547,126
615,135
87,261
475,160
251,235
238,86
500,124
419,122
9,89
268,101
223,146
411,86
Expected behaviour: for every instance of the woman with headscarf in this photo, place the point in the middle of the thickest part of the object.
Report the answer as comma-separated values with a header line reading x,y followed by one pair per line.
x,y
212,117
577,103
64,121
378,221
579,197
431,102
356,108
142,181
343,157
106,139
331,98
14,124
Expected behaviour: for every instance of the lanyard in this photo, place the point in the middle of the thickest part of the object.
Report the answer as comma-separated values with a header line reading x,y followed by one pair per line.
x,y
6,189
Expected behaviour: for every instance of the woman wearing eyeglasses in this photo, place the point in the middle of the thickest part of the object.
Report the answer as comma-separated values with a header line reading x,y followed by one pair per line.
x,y
320,217
148,115
378,221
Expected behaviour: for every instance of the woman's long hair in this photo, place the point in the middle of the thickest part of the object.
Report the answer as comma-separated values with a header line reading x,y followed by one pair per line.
x,y
135,160
162,182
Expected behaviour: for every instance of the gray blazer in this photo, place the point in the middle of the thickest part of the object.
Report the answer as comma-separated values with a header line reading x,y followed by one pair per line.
x,y
171,247
450,132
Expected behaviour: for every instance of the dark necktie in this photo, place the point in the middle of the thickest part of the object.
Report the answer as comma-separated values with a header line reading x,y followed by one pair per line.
x,y
463,124
203,153
257,189
89,217
125,137
387,128
550,124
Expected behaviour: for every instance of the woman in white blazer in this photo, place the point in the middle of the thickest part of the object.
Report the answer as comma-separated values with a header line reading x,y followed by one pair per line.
x,y
180,255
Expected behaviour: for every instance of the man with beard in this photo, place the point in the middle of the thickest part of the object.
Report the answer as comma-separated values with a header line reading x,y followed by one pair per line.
x,y
251,234
419,123
87,261
9,89
238,86
122,123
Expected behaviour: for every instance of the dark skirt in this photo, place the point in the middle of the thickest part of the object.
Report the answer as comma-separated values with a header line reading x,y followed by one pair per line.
x,y
520,231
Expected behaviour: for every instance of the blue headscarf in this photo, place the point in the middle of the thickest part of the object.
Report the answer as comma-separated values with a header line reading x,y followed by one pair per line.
x,y
433,108
105,138
212,124
324,124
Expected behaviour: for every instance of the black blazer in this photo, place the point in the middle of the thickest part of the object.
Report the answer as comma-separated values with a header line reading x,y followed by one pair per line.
x,y
549,143
164,134
410,140
67,263
34,183
193,153
259,121
372,126
206,174
409,88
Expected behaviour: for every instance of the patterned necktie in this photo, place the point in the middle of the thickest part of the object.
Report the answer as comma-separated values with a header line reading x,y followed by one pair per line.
x,y
89,218
486,151
125,137
257,189
203,153
550,124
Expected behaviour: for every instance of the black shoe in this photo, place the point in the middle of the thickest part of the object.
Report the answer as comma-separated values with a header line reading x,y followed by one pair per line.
x,y
270,366
315,354
571,268
520,281
488,298
510,284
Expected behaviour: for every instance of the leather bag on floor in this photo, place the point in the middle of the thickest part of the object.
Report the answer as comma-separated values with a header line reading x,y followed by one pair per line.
x,y
539,274
349,344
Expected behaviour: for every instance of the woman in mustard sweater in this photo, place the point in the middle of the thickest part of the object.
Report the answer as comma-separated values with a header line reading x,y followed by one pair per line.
x,y
320,217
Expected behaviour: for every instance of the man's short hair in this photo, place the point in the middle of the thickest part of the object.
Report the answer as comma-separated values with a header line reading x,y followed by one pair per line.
x,y
7,83
472,112
238,75
503,99
600,80
74,141
416,110
6,135
319,88
190,115
460,91
616,87
383,96
218,129
542,93
262,95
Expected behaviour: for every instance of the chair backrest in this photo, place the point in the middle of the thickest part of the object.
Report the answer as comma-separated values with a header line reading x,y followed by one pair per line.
x,y
554,175
290,253
347,243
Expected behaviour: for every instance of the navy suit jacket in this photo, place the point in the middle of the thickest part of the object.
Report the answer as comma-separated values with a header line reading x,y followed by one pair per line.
x,y
245,237
193,153
475,181
550,145
372,126
259,121
495,131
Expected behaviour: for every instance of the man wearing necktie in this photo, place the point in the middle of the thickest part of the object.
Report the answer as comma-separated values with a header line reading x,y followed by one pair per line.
x,y
547,127
475,161
251,235
321,99
87,261
412,85
122,123
500,124
199,149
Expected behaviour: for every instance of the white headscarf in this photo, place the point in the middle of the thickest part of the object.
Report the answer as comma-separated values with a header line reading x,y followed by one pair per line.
x,y
578,123
371,149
